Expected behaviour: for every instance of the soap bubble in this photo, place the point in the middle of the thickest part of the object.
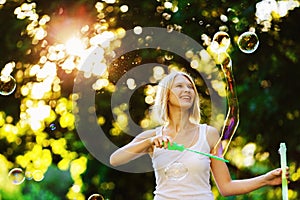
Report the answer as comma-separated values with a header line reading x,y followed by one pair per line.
x,y
220,42
219,45
176,171
248,42
28,175
7,85
232,118
16,175
52,127
96,197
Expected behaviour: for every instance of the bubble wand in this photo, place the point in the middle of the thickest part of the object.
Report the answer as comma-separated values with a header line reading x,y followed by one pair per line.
x,y
283,163
180,147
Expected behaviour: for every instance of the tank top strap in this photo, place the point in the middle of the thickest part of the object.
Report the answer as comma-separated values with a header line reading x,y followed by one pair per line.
x,y
202,133
202,139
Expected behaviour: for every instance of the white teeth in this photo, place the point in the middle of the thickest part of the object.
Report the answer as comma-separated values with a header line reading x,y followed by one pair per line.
x,y
186,97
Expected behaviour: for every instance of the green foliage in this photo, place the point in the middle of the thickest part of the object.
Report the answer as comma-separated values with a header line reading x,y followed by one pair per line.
x,y
266,81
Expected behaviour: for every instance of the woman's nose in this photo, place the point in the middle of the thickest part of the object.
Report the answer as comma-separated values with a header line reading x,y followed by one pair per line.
x,y
187,89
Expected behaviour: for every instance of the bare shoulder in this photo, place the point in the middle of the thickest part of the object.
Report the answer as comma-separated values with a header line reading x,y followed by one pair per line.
x,y
212,136
212,131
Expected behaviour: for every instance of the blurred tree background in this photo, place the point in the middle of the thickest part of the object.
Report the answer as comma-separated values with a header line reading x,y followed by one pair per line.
x,y
42,43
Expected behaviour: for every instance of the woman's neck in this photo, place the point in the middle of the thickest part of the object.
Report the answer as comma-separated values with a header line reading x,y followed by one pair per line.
x,y
178,120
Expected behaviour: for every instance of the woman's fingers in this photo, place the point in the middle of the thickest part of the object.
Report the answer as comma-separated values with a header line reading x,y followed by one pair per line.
x,y
287,174
167,140
278,173
156,143
161,141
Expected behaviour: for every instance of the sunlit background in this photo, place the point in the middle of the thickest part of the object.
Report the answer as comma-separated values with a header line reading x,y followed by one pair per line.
x,y
44,45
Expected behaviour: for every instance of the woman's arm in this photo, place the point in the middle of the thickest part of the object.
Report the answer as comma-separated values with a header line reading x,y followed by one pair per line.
x,y
229,187
139,146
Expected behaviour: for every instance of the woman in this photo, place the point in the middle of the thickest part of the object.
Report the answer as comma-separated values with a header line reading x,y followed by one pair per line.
x,y
177,108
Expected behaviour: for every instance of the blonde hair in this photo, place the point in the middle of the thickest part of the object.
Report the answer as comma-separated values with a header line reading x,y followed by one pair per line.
x,y
160,110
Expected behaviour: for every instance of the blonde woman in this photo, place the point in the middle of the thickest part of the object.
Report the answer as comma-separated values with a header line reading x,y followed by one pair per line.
x,y
177,108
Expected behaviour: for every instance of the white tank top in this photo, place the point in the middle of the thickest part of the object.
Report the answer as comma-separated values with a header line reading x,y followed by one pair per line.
x,y
183,175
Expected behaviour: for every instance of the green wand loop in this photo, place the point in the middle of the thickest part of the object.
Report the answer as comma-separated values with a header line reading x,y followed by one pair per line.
x,y
283,163
180,147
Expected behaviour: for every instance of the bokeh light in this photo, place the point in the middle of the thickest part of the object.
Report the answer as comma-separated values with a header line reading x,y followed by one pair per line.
x,y
124,8
52,47
269,10
37,175
138,30
74,46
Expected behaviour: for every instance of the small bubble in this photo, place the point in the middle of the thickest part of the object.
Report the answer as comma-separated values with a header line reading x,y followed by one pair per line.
x,y
7,85
52,127
28,175
220,42
248,42
16,175
96,197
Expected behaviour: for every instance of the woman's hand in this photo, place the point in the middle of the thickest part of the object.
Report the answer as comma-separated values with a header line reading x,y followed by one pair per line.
x,y
160,141
274,177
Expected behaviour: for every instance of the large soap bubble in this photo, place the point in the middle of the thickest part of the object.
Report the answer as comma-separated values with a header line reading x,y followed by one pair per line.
x,y
219,47
232,119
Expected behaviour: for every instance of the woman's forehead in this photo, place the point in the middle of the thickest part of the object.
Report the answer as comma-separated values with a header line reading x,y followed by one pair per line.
x,y
181,79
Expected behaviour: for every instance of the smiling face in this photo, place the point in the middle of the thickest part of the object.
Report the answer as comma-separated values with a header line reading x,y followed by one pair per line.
x,y
182,93
177,91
